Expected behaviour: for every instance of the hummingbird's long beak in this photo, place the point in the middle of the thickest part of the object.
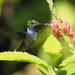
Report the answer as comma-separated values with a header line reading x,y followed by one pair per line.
x,y
40,24
43,24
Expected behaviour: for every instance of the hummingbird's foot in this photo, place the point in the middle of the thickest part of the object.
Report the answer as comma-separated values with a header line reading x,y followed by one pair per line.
x,y
14,50
23,50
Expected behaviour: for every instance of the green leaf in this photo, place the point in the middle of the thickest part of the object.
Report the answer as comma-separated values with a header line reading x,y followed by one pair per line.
x,y
69,70
22,57
1,2
42,69
67,61
52,47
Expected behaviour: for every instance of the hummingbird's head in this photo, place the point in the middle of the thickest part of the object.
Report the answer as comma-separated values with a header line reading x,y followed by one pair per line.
x,y
33,23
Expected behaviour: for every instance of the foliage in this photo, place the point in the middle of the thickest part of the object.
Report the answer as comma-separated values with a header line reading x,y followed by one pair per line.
x,y
53,48
1,2
21,56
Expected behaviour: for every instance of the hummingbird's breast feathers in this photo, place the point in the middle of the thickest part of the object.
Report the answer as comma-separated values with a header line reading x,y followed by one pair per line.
x,y
31,33
31,37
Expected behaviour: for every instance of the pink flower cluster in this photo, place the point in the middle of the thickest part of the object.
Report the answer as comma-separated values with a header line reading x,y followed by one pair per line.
x,y
66,28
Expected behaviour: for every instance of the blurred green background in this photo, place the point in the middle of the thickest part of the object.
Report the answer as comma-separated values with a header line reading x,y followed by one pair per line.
x,y
14,14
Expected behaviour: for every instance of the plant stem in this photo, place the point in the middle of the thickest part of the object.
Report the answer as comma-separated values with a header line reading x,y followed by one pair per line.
x,y
53,65
65,37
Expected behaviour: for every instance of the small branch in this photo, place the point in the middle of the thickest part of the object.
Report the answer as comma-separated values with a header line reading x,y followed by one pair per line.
x,y
53,65
65,37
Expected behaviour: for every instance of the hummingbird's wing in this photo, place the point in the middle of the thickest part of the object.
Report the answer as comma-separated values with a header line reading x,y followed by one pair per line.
x,y
11,34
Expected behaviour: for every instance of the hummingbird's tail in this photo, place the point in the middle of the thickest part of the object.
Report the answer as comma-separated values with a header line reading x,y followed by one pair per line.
x,y
19,47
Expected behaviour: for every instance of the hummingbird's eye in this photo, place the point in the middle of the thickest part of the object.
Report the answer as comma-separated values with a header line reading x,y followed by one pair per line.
x,y
32,23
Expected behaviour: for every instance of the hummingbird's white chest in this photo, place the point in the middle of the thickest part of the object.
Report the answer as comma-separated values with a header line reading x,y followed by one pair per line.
x,y
30,38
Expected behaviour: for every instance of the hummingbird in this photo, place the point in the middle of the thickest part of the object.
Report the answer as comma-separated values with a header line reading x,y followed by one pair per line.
x,y
27,38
